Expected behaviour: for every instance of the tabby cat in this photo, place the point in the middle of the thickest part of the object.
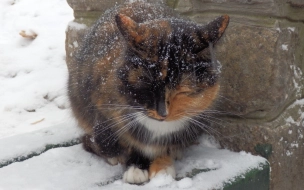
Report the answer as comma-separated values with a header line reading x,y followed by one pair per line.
x,y
138,84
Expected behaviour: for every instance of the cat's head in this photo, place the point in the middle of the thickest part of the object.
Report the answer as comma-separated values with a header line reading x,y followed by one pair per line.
x,y
167,70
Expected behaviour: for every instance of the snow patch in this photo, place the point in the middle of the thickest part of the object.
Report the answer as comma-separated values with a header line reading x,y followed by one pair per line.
x,y
185,183
292,29
289,153
294,145
33,71
14,147
77,26
75,44
284,47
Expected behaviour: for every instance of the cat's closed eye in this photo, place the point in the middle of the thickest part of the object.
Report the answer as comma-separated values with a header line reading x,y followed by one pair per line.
x,y
184,90
190,91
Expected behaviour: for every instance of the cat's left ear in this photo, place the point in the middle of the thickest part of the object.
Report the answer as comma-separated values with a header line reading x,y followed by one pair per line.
x,y
130,29
213,31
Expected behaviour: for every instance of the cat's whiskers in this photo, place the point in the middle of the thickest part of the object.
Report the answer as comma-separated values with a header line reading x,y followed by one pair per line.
x,y
190,131
204,114
114,118
229,100
123,129
211,119
115,106
117,120
189,75
119,132
139,117
222,113
207,116
104,87
130,125
203,126
120,108
121,119
150,75
224,100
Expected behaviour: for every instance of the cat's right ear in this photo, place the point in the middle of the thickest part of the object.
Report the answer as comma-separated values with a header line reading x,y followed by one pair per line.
x,y
213,31
130,29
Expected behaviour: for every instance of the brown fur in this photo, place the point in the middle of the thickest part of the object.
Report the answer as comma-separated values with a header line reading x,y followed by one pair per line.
x,y
181,102
160,163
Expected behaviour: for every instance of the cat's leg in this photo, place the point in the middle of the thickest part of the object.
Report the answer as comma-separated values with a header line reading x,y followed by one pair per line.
x,y
137,168
162,165
111,152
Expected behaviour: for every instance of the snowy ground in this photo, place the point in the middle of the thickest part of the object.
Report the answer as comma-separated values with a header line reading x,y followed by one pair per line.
x,y
34,113
73,168
33,73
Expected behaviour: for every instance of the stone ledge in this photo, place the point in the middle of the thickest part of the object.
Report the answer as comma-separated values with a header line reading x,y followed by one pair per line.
x,y
290,9
52,140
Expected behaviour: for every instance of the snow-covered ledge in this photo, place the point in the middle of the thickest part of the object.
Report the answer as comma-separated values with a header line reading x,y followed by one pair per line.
x,y
262,75
50,161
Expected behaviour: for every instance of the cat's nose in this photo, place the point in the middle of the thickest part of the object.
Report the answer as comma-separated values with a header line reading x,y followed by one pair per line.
x,y
162,109
163,113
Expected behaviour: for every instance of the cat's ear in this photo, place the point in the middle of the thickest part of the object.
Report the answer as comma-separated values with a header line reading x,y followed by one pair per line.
x,y
213,31
130,29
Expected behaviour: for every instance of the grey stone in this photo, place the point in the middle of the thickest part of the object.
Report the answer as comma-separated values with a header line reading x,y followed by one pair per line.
x,y
258,70
262,83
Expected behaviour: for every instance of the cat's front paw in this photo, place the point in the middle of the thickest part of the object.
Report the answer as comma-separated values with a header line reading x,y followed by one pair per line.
x,y
135,175
116,160
162,165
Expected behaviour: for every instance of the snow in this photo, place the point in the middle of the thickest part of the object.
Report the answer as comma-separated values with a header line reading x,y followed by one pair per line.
x,y
35,113
285,47
76,26
185,183
33,71
300,120
55,169
74,168
37,141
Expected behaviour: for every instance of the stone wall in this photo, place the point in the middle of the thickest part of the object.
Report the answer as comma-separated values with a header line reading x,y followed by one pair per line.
x,y
262,83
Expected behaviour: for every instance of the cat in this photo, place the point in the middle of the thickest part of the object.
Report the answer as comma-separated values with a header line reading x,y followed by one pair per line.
x,y
139,83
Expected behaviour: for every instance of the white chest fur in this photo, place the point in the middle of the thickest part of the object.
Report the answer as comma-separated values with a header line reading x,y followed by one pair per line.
x,y
161,128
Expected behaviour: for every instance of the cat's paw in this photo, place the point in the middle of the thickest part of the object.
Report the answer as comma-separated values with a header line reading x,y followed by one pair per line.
x,y
113,161
170,170
135,175
162,165
116,160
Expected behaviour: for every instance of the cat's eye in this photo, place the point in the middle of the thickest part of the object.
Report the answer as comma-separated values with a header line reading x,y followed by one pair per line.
x,y
184,90
141,82
189,91
141,78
